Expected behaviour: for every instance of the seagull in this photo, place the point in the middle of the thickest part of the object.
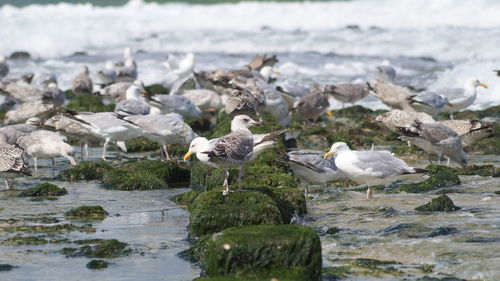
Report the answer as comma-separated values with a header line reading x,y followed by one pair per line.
x,y
108,75
312,105
399,118
461,98
82,84
436,138
384,88
13,132
4,67
261,61
128,73
47,145
21,89
134,104
232,150
312,168
117,91
429,102
204,99
348,92
13,163
244,98
181,68
163,129
175,104
470,131
368,167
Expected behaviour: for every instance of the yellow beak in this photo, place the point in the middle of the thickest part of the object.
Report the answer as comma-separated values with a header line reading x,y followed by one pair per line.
x,y
483,85
329,113
188,154
144,92
328,154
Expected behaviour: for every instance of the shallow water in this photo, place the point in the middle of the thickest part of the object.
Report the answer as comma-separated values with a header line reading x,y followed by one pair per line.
x,y
152,225
376,229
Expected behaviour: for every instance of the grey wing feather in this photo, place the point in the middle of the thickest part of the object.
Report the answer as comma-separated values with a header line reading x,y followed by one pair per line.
x,y
383,163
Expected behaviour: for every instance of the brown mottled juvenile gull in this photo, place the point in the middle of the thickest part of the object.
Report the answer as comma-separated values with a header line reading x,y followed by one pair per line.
x,y
13,163
82,84
46,145
470,131
235,149
117,91
245,98
394,96
27,110
312,105
348,92
435,138
21,89
13,132
399,118
260,61
369,167
4,67
163,129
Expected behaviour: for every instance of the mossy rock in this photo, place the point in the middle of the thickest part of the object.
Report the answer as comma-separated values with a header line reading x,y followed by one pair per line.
x,y
212,211
493,112
19,240
186,198
290,201
480,170
44,189
490,145
88,212
147,175
97,264
440,176
156,89
281,274
48,228
442,203
449,278
86,170
98,248
141,144
6,267
89,103
258,251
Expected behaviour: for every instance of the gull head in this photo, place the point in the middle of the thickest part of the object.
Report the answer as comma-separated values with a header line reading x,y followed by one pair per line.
x,y
190,58
385,73
127,53
196,145
243,122
84,70
33,121
336,149
134,92
267,71
460,158
473,83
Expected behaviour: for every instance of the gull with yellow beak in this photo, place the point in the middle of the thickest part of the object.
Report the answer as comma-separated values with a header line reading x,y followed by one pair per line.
x,y
369,167
461,98
230,151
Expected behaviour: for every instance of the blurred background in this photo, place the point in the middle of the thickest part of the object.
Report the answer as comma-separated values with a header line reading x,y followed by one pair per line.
x,y
432,44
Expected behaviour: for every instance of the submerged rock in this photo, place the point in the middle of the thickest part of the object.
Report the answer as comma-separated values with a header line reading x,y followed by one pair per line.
x,y
21,240
44,189
442,203
264,253
97,264
440,176
86,170
6,267
98,248
48,228
88,212
20,55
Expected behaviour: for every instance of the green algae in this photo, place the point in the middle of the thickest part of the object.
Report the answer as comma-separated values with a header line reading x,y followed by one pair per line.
x,y
98,248
97,264
336,273
290,201
147,175
286,274
480,170
141,144
88,103
156,89
212,211
256,251
186,198
6,267
88,212
22,240
440,176
442,203
333,230
48,228
86,170
44,189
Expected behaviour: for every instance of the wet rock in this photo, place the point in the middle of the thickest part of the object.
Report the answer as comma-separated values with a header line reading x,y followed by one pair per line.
x,y
48,228
147,175
440,231
89,103
497,192
97,264
440,176
86,170
265,252
156,89
442,203
335,273
44,189
428,278
21,240
480,170
6,267
333,230
20,55
212,211
482,240
376,265
186,198
98,248
88,212
141,144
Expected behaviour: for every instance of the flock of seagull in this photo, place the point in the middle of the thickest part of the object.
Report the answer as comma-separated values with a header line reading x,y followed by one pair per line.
x,y
37,124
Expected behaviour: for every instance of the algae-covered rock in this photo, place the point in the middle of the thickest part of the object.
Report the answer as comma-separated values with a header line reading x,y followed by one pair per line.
x,y
48,228
44,189
429,278
22,240
212,211
6,267
146,175
156,89
97,264
186,198
480,170
141,144
258,251
98,248
290,201
87,212
440,176
88,103
442,203
86,170
285,274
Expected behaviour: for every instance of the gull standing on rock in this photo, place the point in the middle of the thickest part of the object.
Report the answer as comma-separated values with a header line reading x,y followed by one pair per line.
x,y
435,138
348,92
312,105
429,102
235,149
46,145
461,98
82,84
107,76
181,68
470,131
4,67
369,167
134,103
394,96
399,118
13,163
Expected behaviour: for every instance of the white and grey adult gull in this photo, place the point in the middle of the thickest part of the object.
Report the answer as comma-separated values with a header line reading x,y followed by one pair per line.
x,y
181,68
461,98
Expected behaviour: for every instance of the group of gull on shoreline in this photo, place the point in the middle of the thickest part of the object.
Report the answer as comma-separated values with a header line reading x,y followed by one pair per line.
x,y
240,93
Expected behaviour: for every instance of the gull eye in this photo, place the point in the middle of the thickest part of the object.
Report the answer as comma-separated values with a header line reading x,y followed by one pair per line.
x,y
246,120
